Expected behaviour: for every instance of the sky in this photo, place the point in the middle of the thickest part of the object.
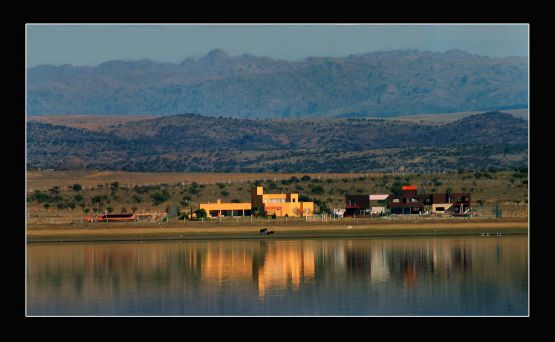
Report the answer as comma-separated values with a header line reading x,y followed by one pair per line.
x,y
90,45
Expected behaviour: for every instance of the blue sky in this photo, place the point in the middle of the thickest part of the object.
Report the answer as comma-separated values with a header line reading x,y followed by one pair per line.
x,y
93,44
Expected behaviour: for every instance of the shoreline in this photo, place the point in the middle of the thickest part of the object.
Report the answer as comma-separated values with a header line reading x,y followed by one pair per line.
x,y
214,231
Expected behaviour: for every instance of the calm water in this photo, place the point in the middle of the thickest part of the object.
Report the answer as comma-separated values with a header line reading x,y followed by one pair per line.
x,y
379,276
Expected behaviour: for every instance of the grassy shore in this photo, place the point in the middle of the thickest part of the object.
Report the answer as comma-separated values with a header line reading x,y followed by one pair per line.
x,y
198,231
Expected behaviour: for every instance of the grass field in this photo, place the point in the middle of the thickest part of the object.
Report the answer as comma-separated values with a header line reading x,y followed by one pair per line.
x,y
213,230
184,191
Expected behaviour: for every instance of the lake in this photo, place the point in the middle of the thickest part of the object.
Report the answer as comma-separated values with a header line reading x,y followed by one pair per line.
x,y
359,276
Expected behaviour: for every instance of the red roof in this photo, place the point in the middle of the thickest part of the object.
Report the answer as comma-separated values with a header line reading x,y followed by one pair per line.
x,y
408,187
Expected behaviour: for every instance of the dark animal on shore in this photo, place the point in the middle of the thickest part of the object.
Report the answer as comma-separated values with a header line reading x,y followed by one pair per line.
x,y
270,232
263,230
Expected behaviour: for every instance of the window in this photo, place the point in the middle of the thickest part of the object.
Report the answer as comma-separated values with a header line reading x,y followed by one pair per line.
x,y
414,200
395,200
440,209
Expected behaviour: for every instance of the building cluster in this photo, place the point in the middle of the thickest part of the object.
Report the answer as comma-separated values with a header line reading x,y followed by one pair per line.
x,y
408,201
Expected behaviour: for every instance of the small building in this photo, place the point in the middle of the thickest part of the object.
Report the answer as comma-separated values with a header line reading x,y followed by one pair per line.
x,y
220,209
378,203
357,204
451,203
280,204
407,202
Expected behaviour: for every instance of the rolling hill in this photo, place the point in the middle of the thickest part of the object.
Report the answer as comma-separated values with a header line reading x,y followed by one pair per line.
x,y
197,143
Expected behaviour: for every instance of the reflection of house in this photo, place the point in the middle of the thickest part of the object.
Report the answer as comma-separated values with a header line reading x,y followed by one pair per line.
x,y
280,204
226,209
285,265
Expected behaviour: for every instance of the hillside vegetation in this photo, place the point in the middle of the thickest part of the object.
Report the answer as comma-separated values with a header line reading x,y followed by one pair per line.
x,y
194,143
378,84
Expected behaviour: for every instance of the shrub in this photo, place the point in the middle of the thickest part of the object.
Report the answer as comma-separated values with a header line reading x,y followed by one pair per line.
x,y
221,185
201,213
160,197
317,190
77,187
99,199
305,178
224,193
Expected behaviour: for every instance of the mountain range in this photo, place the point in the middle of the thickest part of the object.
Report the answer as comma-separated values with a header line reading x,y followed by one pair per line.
x,y
380,84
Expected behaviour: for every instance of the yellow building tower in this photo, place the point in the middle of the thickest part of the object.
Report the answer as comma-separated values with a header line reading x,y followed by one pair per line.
x,y
280,204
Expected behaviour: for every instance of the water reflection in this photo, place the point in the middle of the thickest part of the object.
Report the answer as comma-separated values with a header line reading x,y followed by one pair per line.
x,y
333,277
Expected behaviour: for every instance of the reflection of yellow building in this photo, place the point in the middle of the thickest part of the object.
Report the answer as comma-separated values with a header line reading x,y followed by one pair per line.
x,y
284,265
226,209
226,264
280,204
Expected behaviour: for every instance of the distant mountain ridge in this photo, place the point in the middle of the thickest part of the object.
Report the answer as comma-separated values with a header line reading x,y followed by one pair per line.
x,y
198,143
380,84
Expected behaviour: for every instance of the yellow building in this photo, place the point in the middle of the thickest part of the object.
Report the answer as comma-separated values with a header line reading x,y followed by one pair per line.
x,y
280,204
226,209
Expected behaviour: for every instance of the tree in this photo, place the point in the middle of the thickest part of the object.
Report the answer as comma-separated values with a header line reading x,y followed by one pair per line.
x,y
305,178
160,197
224,193
201,213
77,187
317,190
323,208
110,209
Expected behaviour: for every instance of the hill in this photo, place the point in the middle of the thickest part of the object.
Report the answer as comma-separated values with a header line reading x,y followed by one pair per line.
x,y
380,84
195,143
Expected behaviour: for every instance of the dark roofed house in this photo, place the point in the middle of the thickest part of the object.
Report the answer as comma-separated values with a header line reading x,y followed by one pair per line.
x,y
408,202
356,204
